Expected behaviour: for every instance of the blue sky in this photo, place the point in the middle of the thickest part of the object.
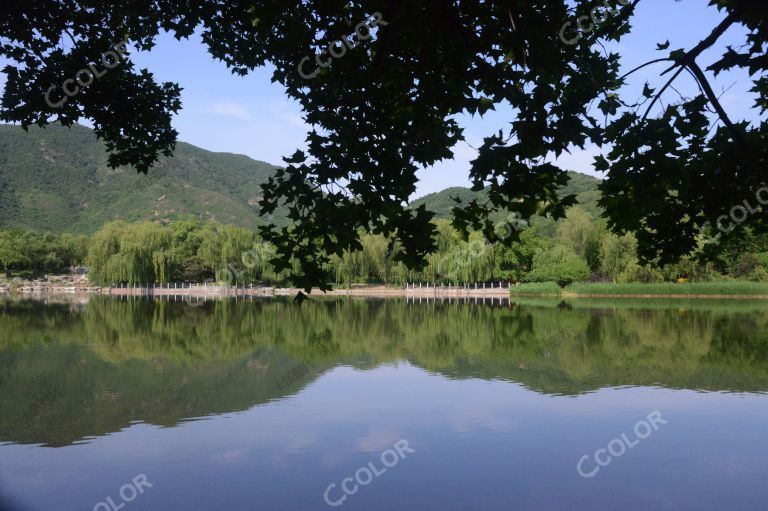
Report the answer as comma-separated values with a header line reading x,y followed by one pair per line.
x,y
251,115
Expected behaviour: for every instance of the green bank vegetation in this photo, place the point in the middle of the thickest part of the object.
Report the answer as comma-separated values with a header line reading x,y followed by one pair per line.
x,y
667,288
577,251
32,253
720,288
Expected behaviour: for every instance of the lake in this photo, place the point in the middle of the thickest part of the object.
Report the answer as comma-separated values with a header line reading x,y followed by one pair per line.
x,y
141,404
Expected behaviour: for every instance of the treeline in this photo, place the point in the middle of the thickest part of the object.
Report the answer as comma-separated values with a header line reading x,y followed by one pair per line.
x,y
40,252
577,248
186,251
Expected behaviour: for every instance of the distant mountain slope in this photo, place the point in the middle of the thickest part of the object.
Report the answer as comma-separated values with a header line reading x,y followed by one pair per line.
x,y
582,185
441,203
57,179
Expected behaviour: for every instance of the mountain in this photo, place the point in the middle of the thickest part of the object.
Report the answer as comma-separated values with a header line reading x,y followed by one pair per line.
x,y
581,185
57,179
441,203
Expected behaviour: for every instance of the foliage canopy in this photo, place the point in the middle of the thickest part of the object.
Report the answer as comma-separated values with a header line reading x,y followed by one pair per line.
x,y
389,108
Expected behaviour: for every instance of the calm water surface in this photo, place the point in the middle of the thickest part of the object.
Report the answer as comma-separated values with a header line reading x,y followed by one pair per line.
x,y
262,405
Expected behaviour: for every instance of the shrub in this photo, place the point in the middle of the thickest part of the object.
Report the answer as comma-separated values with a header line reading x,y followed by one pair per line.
x,y
559,264
745,265
644,274
759,275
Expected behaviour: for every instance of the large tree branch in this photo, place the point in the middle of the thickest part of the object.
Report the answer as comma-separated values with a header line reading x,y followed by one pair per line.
x,y
688,62
697,50
712,97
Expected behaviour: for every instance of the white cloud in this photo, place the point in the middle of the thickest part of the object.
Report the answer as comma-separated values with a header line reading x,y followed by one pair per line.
x,y
228,109
289,112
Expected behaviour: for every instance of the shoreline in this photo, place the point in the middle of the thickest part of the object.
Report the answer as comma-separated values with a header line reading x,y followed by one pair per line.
x,y
643,296
205,291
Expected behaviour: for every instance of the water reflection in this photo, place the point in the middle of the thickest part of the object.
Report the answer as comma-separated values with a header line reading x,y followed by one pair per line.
x,y
70,372
262,405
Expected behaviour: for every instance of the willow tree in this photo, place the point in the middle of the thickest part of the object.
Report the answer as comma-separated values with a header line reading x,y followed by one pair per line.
x,y
386,104
583,234
130,253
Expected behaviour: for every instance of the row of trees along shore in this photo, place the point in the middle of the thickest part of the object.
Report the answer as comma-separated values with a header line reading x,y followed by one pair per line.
x,y
576,248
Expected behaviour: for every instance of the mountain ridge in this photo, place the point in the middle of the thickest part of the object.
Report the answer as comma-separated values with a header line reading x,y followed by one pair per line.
x,y
583,186
57,179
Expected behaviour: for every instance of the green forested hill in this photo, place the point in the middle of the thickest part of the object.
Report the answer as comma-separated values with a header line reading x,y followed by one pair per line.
x,y
57,179
442,202
582,185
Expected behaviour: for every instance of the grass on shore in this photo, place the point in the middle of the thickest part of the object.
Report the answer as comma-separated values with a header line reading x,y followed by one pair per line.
x,y
728,288
537,288
735,304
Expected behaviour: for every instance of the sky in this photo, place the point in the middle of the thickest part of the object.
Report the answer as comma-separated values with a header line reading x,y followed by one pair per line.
x,y
251,115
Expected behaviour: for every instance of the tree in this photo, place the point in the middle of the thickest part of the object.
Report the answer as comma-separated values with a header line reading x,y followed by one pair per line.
x,y
133,253
378,252
72,249
559,264
467,261
583,234
40,252
619,253
514,261
11,254
388,107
